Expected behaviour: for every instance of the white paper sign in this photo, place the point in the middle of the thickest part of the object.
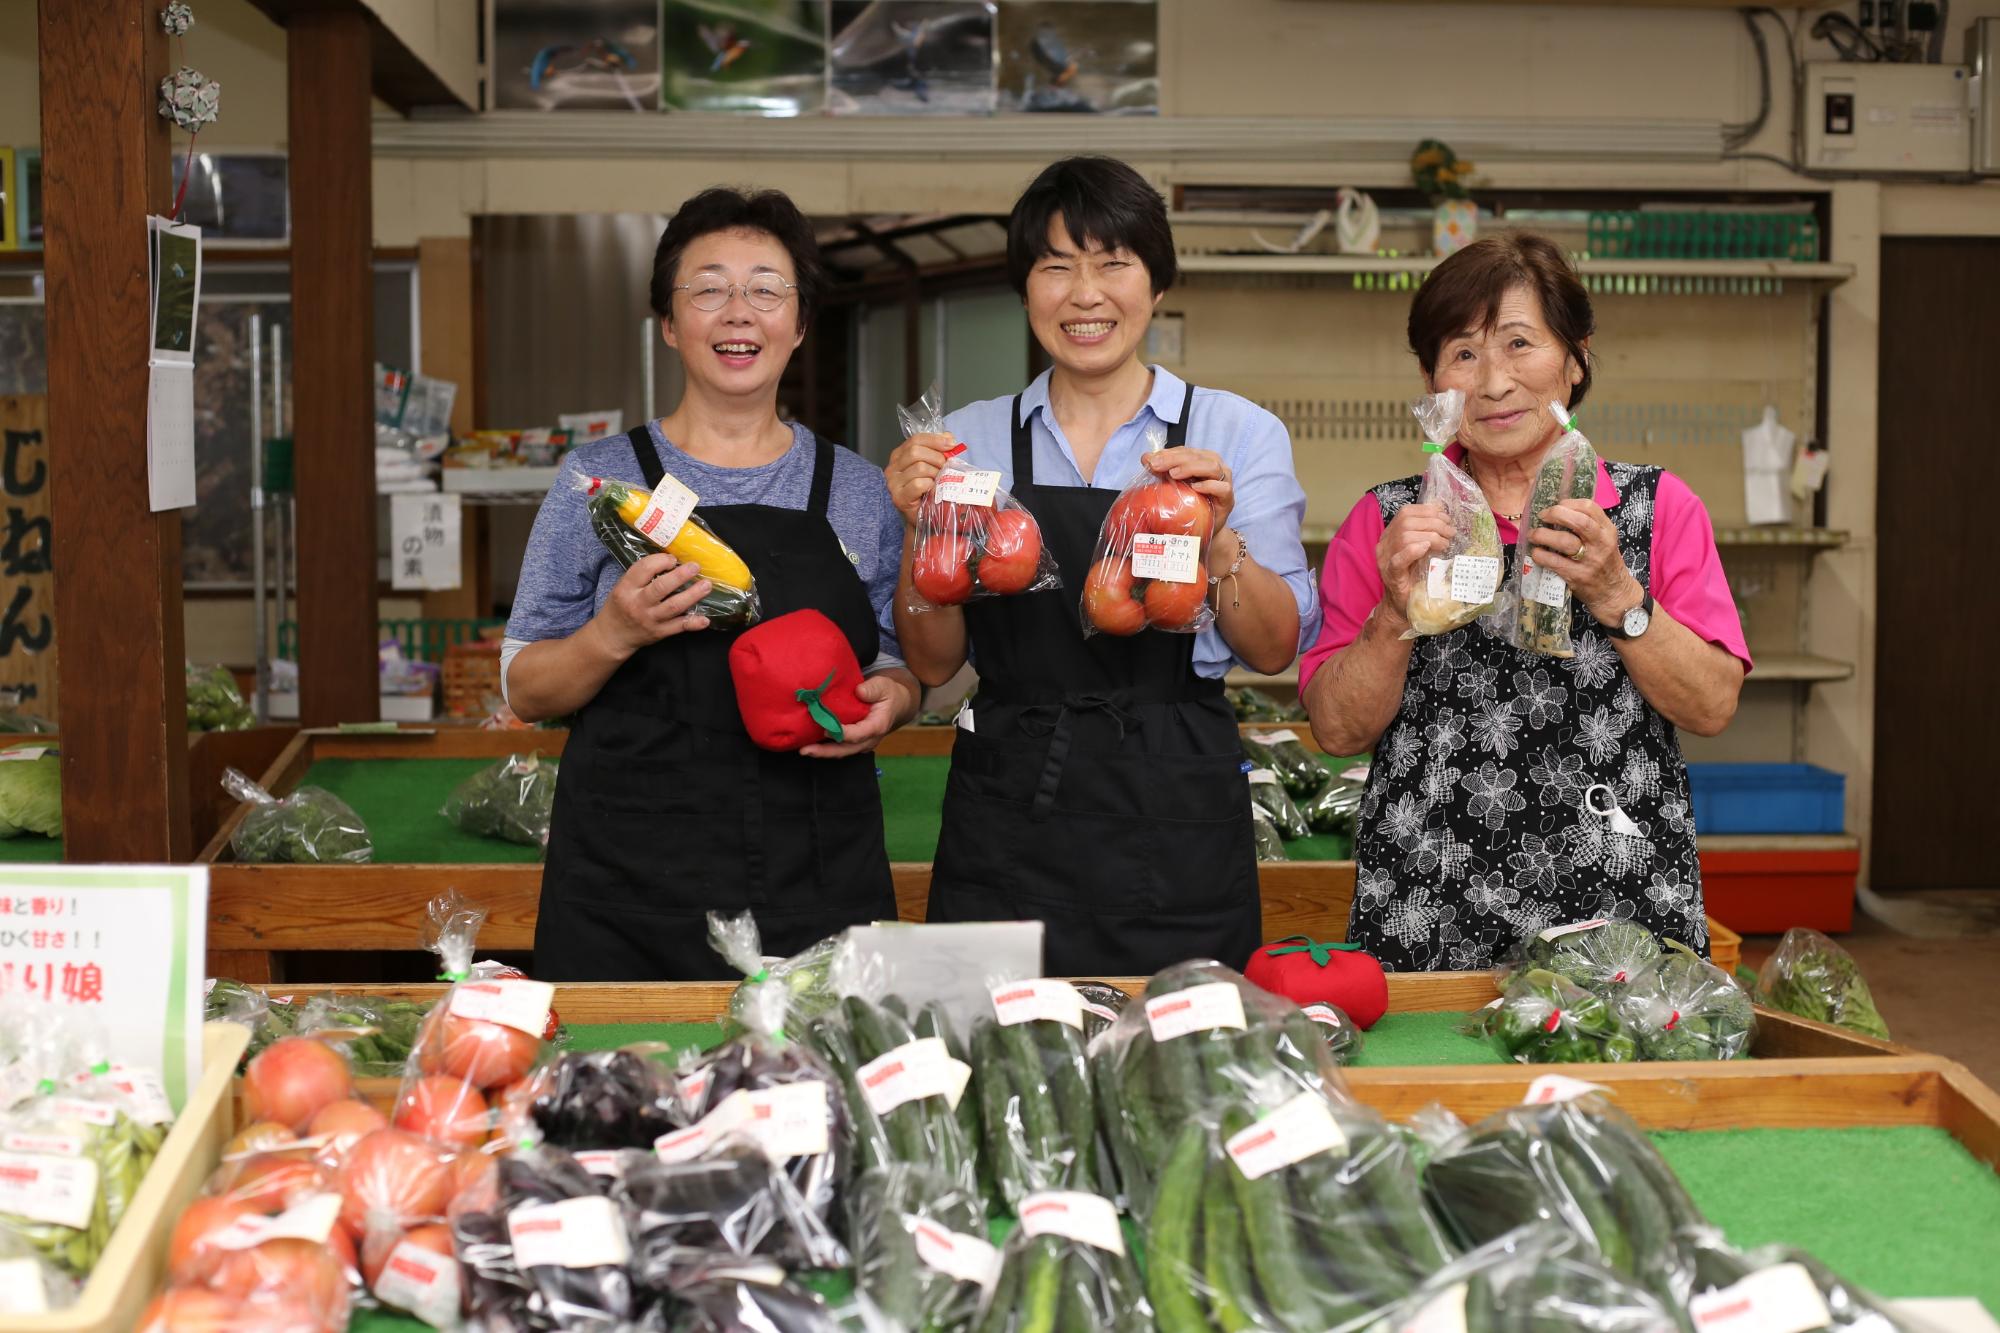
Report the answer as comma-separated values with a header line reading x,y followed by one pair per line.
x,y
426,534
1303,1127
124,947
572,1233
1782,1299
1172,557
1088,1218
956,1255
666,512
1042,998
967,486
175,252
1217,1004
170,436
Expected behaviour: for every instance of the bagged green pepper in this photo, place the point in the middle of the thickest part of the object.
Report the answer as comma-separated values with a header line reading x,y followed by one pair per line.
x,y
512,800
1599,954
1543,1018
311,826
1682,1007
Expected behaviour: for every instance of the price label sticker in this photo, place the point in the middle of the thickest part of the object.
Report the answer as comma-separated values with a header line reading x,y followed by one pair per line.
x,y
1474,578
967,486
1442,1313
1325,1015
49,1145
518,1004
25,752
1554,933
1544,587
22,1288
60,1190
1264,777
1551,1088
911,1072
101,1114
145,1097
421,1281
310,1219
1089,1219
1217,1004
1170,557
960,1257
1781,1299
1303,1127
1275,737
785,1121
601,1162
1043,999
666,511
571,1233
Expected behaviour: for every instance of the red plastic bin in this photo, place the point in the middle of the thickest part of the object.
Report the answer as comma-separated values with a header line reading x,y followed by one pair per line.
x,y
1767,893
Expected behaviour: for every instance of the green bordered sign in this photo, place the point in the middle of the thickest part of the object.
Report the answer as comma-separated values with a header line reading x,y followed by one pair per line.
x,y
122,946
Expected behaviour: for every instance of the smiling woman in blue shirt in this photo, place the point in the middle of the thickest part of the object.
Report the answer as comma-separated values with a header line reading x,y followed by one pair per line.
x,y
1096,782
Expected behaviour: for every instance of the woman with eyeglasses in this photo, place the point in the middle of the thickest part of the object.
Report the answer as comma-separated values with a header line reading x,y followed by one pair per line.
x,y
665,810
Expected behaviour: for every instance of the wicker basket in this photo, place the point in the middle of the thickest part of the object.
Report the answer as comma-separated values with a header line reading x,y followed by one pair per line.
x,y
471,678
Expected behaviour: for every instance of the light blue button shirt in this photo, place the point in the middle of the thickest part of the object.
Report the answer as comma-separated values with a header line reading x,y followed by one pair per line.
x,y
1270,503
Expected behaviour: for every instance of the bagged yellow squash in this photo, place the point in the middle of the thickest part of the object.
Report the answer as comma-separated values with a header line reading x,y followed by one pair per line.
x,y
616,511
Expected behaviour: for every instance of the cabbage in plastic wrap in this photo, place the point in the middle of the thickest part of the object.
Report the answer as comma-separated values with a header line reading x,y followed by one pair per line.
x,y
31,793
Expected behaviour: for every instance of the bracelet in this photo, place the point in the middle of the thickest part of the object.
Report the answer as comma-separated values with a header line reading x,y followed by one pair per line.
x,y
1235,584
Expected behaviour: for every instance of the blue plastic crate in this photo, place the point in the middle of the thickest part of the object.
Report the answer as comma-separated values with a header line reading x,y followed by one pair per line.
x,y
1767,798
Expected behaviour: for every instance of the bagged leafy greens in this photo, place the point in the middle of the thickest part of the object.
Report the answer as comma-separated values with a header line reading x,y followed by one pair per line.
x,y
1597,954
213,701
1682,1007
1568,472
30,792
1545,1018
312,825
511,800
1815,978
1459,586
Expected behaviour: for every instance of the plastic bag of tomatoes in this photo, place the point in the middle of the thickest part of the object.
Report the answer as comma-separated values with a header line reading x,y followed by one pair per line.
x,y
1149,569
974,539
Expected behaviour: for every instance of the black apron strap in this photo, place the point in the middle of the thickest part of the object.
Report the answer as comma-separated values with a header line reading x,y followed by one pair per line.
x,y
1177,433
822,483
643,449
1024,448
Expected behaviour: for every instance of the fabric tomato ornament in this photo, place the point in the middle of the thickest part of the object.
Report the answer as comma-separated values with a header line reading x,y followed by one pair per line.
x,y
796,681
1305,971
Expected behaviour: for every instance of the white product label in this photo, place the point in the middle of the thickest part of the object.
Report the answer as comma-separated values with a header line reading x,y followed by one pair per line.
x,y
421,1281
1264,777
762,1272
25,752
1554,933
573,1233
786,1121
1355,773
666,512
51,1145
1474,578
22,1290
17,1082
1494,1003
1543,586
1437,579
915,1070
1275,737
1442,1313
693,1089
1325,1015
310,1219
145,1096
61,1190
1044,999
521,1005
1217,1004
1782,1299
101,1114
967,486
958,1256
1548,1088
1088,1218
601,1162
1303,1127
1172,557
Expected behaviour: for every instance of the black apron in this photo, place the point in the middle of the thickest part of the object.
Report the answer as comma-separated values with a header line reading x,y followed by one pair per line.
x,y
666,811
1100,789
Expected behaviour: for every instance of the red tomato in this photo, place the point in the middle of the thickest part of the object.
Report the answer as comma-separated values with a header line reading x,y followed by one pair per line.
x,y
940,571
483,1054
296,1273
446,1109
194,1310
1177,507
191,1255
392,1180
1130,513
475,1179
272,1182
343,1124
432,1236
1108,599
292,1078
1012,553
1174,605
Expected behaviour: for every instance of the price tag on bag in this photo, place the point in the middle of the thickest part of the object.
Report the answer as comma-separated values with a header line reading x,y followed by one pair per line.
x,y
1474,578
510,1002
666,511
785,1121
570,1233
1782,1299
1171,557
960,1257
1543,587
421,1281
1550,1088
1044,998
1089,1219
1218,1004
61,1190
1442,1313
967,486
913,1071
1303,1127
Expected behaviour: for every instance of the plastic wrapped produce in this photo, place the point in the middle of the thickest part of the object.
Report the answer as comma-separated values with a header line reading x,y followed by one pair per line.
x,y
16,720
920,1250
1286,755
1066,1270
30,791
293,1079
1149,569
70,1163
1460,585
1544,1018
29,1283
229,1001
1334,809
542,1247
1569,472
1270,843
312,825
1537,1277
629,521
1580,1164
1268,794
1595,954
377,1034
1815,978
723,1302
735,1201
594,1101
1102,1003
1037,1107
214,703
1682,1007
806,977
1778,1283
510,800
973,539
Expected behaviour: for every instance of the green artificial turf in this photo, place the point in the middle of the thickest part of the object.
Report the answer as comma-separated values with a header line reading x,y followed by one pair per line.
x,y
31,849
1423,1039
399,800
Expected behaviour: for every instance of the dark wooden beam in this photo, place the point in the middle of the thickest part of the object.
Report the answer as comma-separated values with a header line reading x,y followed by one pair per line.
x,y
333,324
121,681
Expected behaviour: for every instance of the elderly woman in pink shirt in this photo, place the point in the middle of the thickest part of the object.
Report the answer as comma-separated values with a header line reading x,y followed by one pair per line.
x,y
1513,792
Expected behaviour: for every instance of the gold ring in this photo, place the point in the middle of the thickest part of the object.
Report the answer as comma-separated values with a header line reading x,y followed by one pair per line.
x,y
1579,549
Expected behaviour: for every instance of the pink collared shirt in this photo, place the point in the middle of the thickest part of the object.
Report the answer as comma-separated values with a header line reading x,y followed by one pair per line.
x,y
1687,578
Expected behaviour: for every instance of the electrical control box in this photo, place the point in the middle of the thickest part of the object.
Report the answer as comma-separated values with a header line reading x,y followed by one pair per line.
x,y
1873,118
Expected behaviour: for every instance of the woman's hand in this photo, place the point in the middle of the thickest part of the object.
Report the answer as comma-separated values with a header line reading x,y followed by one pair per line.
x,y
886,698
1205,470
653,601
912,472
1579,543
1416,533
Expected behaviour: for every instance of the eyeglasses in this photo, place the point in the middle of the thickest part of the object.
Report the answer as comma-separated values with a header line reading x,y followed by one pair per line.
x,y
712,293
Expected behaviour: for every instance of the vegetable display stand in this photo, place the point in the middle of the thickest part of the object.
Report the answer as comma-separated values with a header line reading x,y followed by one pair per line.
x,y
251,750
133,1263
936,739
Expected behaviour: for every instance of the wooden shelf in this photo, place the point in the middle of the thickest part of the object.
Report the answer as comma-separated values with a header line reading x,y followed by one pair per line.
x,y
1672,270
1798,667
1817,539
1779,842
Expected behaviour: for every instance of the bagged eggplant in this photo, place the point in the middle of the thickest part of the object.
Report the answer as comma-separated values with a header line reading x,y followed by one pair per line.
x,y
1779,1283
1544,1018
1149,568
602,1101
733,1201
1270,843
1459,586
920,1250
1680,1006
1066,1270
1815,978
311,826
1582,1165
511,799
633,524
973,539
1102,1004
1599,955
760,1302
1037,1107
1535,1277
1267,793
1286,755
1541,622
542,1247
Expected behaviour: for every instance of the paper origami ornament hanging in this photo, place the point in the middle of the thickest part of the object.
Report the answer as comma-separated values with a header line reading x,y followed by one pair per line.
x,y
189,98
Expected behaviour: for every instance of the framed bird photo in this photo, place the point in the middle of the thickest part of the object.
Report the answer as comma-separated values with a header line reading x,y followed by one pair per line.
x,y
754,57
912,58
1097,57
579,55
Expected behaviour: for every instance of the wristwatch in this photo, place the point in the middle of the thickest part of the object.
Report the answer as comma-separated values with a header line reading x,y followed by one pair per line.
x,y
1635,622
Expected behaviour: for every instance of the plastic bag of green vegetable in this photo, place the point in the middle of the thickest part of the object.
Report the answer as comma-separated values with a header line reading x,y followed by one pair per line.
x,y
14,720
1269,842
511,800
1540,600
30,1284
378,1034
920,1247
1815,1296
1253,705
1267,793
237,1002
72,1168
1534,1277
30,792
213,701
1067,1269
1287,756
1545,1018
1036,1103
1815,978
1682,1007
312,825
1333,810
806,976
1597,954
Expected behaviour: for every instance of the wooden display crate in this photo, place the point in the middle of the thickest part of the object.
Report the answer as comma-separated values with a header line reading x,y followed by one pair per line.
x,y
133,1264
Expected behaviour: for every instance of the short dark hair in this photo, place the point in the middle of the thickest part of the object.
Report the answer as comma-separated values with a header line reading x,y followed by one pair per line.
x,y
1464,292
1101,201
723,209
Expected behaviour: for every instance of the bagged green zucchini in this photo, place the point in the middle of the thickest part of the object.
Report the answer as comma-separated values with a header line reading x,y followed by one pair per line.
x,y
311,826
1682,1007
1066,1270
1541,621
1537,1277
1333,810
1286,755
1815,978
1780,1282
1037,1105
511,800
1600,955
1267,793
1544,1018
1264,833
921,1253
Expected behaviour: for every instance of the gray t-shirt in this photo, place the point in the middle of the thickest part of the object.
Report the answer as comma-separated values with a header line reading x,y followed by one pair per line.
x,y
566,574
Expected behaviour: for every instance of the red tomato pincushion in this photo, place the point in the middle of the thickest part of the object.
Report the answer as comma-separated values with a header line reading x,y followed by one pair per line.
x,y
796,681
1307,972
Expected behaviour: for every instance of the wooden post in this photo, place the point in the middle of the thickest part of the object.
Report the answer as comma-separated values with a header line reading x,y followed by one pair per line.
x,y
333,337
117,564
